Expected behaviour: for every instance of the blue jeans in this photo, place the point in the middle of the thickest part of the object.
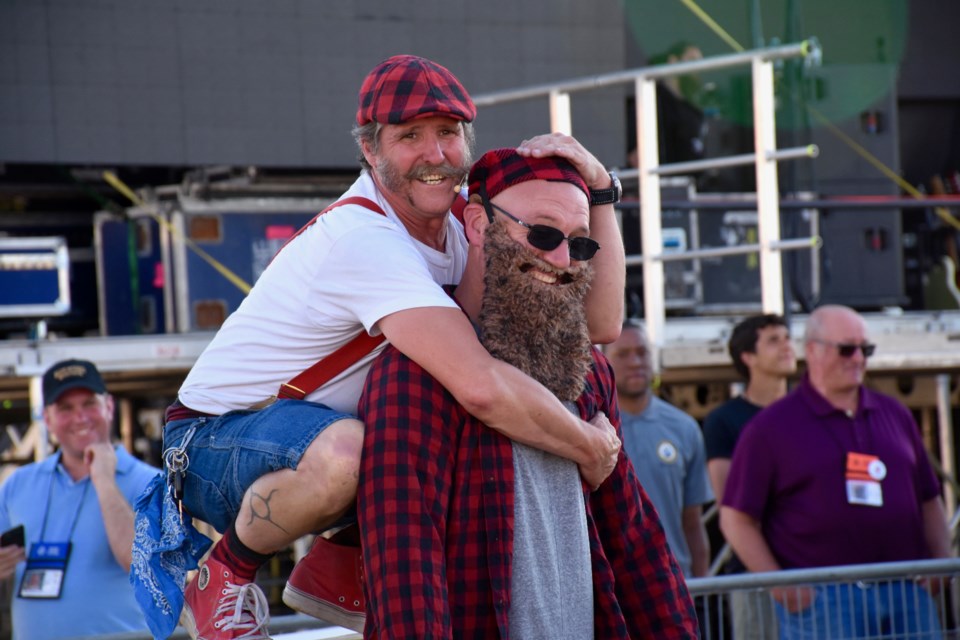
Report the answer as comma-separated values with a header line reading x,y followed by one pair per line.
x,y
897,609
228,453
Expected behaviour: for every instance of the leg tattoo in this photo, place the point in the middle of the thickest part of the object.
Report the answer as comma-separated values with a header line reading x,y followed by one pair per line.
x,y
260,508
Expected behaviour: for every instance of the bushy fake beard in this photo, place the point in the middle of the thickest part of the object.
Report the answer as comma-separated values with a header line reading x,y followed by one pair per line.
x,y
539,328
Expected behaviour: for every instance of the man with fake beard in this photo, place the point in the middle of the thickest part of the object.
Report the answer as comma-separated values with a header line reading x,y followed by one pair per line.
x,y
264,472
469,534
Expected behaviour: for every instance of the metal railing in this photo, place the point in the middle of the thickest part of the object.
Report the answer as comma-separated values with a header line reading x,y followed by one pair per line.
x,y
902,600
923,591
649,171
295,627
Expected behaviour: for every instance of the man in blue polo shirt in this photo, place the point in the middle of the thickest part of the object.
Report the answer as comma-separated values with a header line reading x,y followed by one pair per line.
x,y
72,574
666,448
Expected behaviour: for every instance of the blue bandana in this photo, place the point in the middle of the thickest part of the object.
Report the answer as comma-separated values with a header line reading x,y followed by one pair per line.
x,y
165,548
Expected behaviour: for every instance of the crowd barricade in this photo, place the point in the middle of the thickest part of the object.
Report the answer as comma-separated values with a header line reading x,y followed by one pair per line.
x,y
295,626
868,596
872,589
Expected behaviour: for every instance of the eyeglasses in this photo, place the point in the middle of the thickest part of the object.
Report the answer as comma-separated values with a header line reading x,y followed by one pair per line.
x,y
547,238
847,350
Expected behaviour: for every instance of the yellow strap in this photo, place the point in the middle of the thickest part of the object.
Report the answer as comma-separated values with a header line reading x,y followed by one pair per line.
x,y
942,212
712,24
118,184
882,168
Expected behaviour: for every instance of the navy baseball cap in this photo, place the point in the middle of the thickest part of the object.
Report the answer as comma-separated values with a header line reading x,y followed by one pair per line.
x,y
70,374
405,87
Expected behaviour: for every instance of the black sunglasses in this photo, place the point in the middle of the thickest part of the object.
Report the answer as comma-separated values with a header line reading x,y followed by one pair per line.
x,y
847,350
547,238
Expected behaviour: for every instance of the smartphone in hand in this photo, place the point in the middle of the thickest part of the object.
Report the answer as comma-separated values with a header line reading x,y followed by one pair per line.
x,y
14,536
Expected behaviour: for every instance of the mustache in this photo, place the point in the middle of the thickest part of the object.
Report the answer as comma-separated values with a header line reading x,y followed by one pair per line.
x,y
574,274
445,170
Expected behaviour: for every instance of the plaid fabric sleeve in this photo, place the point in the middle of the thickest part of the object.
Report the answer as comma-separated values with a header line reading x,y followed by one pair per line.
x,y
639,587
406,478
480,533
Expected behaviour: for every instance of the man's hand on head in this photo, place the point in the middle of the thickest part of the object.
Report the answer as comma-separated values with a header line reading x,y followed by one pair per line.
x,y
607,448
560,144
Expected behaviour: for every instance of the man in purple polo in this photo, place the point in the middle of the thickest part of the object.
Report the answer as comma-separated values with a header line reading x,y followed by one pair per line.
x,y
820,476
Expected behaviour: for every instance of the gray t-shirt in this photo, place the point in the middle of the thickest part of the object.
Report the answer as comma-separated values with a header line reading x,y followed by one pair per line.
x,y
551,592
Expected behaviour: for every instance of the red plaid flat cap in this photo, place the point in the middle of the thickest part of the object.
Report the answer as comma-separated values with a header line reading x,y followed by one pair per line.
x,y
402,88
501,169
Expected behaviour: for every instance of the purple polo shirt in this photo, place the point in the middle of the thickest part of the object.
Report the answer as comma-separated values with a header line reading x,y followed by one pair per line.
x,y
788,471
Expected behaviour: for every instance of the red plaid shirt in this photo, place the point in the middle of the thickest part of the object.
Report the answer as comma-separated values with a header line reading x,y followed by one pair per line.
x,y
436,518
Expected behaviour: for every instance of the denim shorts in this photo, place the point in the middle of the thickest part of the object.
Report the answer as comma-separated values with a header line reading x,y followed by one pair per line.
x,y
228,453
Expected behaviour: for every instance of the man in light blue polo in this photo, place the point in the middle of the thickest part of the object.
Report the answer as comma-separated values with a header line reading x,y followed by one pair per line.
x,y
666,448
71,577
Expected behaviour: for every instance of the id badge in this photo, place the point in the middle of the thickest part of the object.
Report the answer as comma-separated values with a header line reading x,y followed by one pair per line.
x,y
864,474
46,567
866,493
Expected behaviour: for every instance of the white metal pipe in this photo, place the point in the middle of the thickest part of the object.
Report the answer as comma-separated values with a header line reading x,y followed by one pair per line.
x,y
801,49
169,305
768,194
696,266
793,153
36,416
945,419
560,119
717,252
648,159
181,305
850,573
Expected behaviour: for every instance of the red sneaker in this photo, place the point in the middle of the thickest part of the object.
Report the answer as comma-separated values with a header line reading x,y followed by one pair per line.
x,y
219,607
328,584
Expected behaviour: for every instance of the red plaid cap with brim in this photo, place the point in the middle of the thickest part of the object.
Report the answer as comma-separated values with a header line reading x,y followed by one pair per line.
x,y
500,169
405,87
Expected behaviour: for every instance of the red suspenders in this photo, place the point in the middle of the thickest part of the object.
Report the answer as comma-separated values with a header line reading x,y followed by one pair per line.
x,y
334,364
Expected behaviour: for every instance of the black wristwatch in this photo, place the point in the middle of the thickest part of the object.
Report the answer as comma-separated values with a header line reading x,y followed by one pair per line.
x,y
610,195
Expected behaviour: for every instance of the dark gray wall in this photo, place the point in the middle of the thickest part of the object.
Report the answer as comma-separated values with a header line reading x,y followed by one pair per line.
x,y
274,82
929,92
930,61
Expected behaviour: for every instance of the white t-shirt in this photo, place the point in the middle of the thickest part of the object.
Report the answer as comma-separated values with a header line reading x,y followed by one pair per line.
x,y
348,270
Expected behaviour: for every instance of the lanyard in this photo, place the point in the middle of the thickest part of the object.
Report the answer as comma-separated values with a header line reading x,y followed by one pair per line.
x,y
862,442
76,515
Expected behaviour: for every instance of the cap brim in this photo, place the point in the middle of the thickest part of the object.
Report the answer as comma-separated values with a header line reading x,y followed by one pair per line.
x,y
70,386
